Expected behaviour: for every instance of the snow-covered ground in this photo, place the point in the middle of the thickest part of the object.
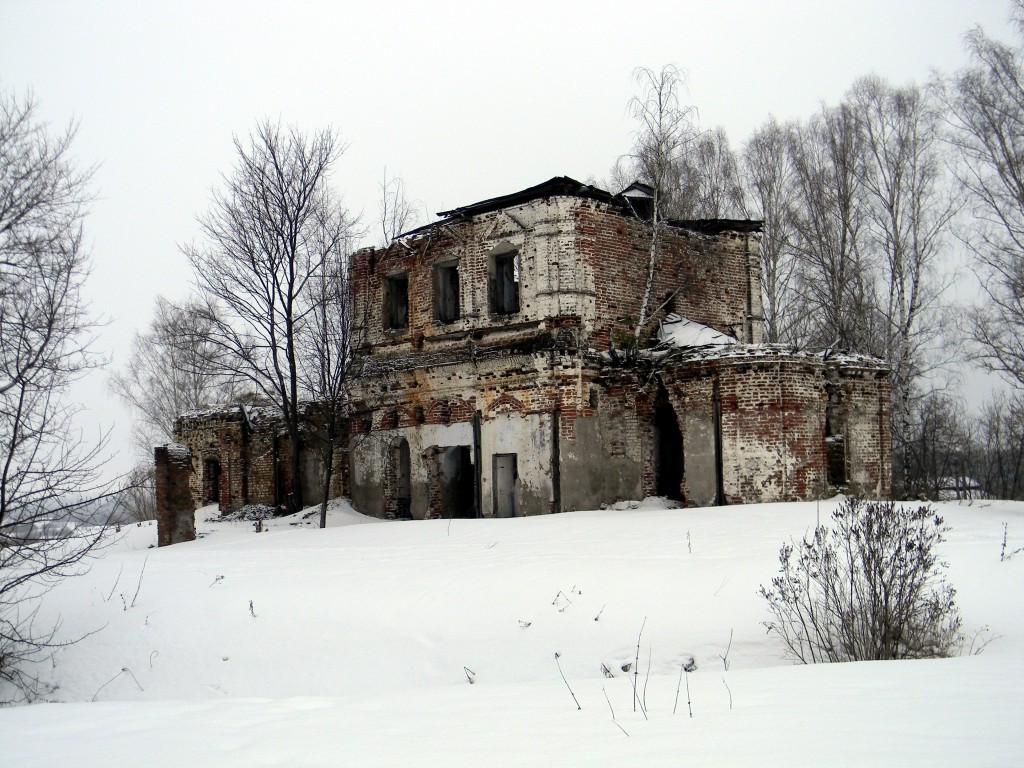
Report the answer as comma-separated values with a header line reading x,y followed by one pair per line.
x,y
356,645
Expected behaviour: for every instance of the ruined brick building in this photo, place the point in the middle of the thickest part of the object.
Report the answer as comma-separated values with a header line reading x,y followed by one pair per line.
x,y
241,455
501,373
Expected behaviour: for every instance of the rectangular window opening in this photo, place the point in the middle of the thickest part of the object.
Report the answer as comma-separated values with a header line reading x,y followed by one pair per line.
x,y
396,302
446,293
505,284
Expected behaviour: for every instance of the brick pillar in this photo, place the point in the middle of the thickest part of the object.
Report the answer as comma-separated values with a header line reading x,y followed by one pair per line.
x,y
175,513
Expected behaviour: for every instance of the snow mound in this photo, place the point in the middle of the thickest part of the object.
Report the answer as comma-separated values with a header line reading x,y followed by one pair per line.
x,y
679,332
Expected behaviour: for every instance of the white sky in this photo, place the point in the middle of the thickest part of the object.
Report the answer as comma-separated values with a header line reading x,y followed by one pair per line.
x,y
464,100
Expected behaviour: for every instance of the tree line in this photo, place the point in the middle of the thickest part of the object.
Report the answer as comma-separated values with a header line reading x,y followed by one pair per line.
x,y
867,205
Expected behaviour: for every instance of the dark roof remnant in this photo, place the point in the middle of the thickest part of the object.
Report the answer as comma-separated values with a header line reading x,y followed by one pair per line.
x,y
717,226
564,186
559,186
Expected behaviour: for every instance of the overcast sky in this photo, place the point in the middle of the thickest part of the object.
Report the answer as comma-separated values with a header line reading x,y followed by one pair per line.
x,y
464,100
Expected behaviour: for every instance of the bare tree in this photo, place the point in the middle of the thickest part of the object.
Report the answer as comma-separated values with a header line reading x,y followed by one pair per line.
x,y
666,128
908,209
263,254
714,188
985,110
397,213
999,455
48,472
768,179
834,278
172,368
936,446
326,359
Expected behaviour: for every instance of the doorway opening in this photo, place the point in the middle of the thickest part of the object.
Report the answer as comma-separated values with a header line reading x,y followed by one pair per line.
x,y
400,503
668,449
457,482
505,475
211,481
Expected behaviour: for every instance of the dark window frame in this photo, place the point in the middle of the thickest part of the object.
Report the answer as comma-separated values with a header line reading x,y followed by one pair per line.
x,y
446,292
395,298
505,283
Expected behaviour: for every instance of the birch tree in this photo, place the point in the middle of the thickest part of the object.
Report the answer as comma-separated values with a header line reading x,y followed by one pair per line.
x,y
908,209
835,276
665,129
984,105
768,181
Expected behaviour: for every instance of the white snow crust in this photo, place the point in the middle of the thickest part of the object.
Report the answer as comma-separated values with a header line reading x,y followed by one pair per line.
x,y
350,646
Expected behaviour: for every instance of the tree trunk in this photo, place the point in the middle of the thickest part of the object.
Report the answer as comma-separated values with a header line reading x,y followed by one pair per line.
x,y
328,473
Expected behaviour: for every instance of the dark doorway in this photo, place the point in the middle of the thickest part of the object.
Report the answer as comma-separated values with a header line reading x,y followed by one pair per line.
x,y
457,479
211,481
668,449
504,474
402,485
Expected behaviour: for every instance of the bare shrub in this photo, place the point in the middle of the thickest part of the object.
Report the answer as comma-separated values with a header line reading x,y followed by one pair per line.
x,y
870,587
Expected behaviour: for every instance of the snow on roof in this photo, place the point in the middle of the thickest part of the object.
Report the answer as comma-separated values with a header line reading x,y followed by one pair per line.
x,y
679,332
178,452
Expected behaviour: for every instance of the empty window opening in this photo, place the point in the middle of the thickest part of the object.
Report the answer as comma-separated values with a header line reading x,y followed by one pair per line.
x,y
504,269
446,293
835,447
504,475
396,302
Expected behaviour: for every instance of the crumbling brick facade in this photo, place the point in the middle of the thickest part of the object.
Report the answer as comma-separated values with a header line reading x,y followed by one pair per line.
x,y
240,455
502,373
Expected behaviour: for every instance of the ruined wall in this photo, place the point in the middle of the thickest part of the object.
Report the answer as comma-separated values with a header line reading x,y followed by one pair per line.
x,y
175,513
540,233
754,425
247,449
713,279
863,413
608,457
525,403
577,258
769,417
219,436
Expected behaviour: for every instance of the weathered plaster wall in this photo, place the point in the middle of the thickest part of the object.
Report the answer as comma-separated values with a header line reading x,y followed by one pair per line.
x,y
512,396
864,407
602,464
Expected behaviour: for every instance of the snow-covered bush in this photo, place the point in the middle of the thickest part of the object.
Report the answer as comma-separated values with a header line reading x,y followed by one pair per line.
x,y
870,587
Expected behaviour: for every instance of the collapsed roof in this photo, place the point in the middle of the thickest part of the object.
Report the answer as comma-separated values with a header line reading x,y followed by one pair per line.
x,y
564,186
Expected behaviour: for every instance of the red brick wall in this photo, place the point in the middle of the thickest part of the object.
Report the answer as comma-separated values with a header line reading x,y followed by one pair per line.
x,y
175,514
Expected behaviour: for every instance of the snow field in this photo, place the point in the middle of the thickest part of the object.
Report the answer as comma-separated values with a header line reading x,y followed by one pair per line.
x,y
357,644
